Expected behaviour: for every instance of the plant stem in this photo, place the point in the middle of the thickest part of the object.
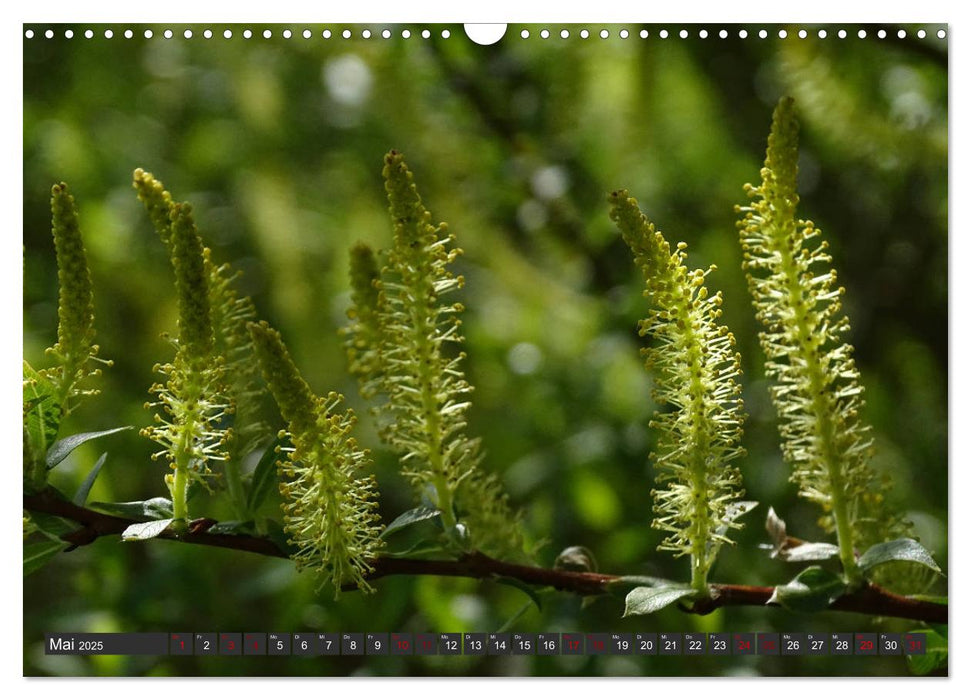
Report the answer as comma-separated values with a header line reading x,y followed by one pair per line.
x,y
868,600
432,416
180,487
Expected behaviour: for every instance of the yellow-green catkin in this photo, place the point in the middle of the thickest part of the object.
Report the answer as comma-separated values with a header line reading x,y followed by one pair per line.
x,y
695,368
192,404
363,334
816,385
403,343
157,201
192,287
330,508
75,347
229,315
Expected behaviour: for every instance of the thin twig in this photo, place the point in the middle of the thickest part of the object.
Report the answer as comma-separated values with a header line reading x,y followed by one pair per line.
x,y
871,600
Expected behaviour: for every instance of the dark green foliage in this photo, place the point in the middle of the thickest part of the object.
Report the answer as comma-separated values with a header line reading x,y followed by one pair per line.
x,y
282,173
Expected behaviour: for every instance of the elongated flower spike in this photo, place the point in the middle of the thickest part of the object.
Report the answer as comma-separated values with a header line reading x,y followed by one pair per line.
x,y
229,315
401,344
158,202
364,333
192,286
695,367
192,401
329,508
75,347
817,391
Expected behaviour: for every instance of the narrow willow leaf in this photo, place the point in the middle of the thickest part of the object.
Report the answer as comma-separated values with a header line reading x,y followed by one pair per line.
x,y
232,527
154,508
646,600
82,495
791,549
424,549
809,551
813,590
406,519
52,525
776,527
624,583
904,549
42,418
39,553
145,531
734,511
264,477
62,448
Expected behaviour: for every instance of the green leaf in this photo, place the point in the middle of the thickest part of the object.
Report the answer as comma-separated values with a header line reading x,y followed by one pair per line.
x,y
232,527
733,512
648,599
776,527
145,531
904,549
813,590
153,508
623,584
42,412
264,477
62,448
39,553
525,588
428,549
576,559
792,549
415,515
82,495
935,656
52,525
809,551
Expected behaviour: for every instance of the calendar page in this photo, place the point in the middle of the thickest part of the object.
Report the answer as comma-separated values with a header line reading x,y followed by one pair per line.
x,y
546,349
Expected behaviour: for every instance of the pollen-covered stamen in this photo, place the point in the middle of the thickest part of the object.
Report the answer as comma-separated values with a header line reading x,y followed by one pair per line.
x,y
329,507
399,345
695,365
817,390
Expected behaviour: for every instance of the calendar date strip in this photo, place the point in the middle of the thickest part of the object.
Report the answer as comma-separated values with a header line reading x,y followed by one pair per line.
x,y
871,600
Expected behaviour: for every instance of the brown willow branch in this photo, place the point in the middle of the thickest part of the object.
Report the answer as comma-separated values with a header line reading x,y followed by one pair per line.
x,y
872,600
94,525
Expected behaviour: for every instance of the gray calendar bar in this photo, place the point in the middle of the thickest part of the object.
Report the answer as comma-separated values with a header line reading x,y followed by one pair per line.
x,y
376,644
116,644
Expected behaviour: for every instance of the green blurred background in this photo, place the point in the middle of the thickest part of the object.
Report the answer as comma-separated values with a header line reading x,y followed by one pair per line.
x,y
278,143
